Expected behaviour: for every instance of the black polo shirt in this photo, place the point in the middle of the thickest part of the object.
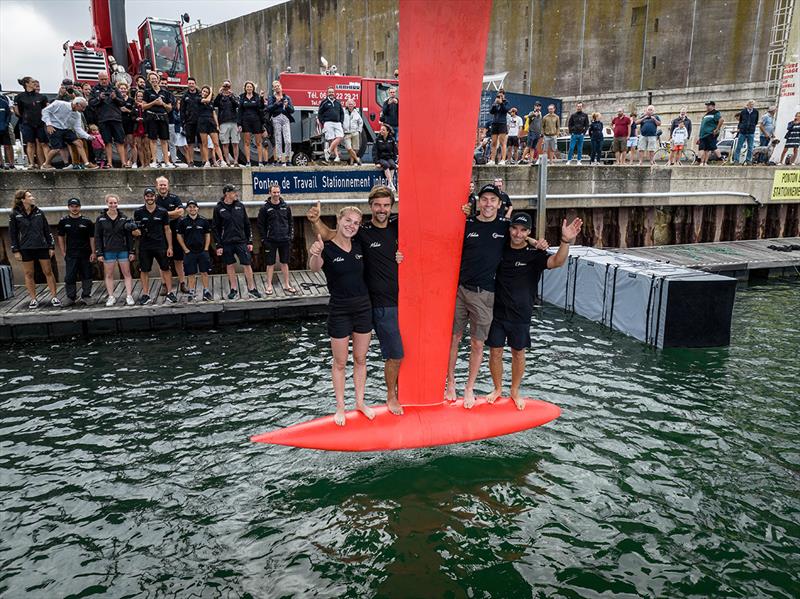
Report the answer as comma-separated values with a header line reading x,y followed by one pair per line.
x,y
76,233
150,95
344,271
517,276
169,203
380,263
194,231
152,224
482,251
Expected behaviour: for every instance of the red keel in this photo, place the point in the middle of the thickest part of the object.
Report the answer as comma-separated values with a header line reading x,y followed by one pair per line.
x,y
419,426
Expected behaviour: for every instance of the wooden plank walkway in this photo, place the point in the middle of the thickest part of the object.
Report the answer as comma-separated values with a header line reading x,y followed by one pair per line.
x,y
18,322
735,258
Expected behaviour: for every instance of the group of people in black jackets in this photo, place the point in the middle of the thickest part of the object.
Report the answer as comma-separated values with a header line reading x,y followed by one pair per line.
x,y
163,230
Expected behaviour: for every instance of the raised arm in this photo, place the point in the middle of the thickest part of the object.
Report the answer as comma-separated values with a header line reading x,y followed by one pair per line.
x,y
568,234
320,228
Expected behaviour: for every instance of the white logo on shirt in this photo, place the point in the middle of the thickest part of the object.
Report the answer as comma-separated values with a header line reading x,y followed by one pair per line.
x,y
498,235
520,264
473,235
338,259
375,244
358,256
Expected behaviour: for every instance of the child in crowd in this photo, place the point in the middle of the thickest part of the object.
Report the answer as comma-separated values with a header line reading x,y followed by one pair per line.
x,y
98,146
677,142
596,138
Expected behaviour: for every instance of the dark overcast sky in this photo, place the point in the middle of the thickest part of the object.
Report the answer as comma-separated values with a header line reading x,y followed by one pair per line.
x,y
33,31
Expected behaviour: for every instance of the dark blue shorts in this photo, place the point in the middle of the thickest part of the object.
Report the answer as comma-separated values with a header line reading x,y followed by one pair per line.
x,y
281,248
61,138
518,334
31,134
231,251
387,327
195,262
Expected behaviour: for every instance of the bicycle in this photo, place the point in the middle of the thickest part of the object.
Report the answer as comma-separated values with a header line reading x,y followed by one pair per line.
x,y
662,156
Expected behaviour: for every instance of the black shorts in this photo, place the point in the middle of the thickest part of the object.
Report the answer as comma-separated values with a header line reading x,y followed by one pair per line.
x,y
195,262
128,126
177,248
207,126
61,138
190,133
390,164
348,316
518,334
387,327
32,133
112,131
498,128
231,251
252,125
707,143
281,248
157,129
146,257
37,254
5,138
513,141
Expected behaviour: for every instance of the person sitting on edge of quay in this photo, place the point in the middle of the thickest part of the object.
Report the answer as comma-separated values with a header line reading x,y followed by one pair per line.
x,y
679,136
113,244
551,123
234,239
28,106
107,103
578,125
746,133
227,105
710,126
76,242
157,103
621,126
31,241
194,237
63,124
352,126
499,128
385,152
275,225
517,275
349,309
6,136
648,134
379,241
155,243
174,207
792,139
330,116
596,137
280,110
251,122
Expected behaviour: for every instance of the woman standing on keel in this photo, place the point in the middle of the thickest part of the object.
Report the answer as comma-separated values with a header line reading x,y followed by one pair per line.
x,y
350,310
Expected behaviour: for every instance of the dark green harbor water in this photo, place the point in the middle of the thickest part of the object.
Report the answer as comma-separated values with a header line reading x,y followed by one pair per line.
x,y
125,471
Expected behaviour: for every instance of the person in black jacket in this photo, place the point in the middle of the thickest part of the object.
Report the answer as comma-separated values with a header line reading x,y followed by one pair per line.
x,y
276,229
330,116
31,241
233,237
113,244
385,152
227,105
76,241
578,125
390,111
251,121
596,136
107,103
499,127
128,110
28,107
190,106
748,121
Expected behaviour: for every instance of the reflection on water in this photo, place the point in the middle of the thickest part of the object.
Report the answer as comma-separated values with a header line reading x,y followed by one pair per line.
x,y
125,471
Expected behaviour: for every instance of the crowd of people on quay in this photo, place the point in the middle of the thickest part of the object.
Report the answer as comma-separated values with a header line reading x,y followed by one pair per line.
x,y
508,138
150,126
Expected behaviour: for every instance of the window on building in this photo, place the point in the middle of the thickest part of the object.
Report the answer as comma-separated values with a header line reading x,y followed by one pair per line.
x,y
655,26
637,15
654,61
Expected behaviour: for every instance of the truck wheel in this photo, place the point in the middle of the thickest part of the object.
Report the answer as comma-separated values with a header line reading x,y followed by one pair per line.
x,y
300,158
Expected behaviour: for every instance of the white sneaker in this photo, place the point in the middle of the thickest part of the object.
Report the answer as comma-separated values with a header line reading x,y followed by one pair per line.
x,y
207,164
490,163
134,165
110,301
579,163
502,162
33,304
568,162
55,302
129,301
153,164
337,159
169,165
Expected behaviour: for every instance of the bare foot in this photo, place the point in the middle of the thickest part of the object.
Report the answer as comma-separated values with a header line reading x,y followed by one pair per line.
x,y
518,401
492,397
469,399
450,392
339,416
394,406
366,410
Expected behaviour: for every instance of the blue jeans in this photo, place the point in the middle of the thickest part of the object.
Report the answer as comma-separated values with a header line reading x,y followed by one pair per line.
x,y
742,138
763,140
575,139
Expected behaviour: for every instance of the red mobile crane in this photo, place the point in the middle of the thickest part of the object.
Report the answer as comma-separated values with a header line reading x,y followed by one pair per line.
x,y
161,46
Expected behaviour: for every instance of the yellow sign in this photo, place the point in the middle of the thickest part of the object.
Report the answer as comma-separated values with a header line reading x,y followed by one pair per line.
x,y
786,185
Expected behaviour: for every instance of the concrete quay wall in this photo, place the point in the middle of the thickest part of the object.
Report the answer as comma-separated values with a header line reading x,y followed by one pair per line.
x,y
612,221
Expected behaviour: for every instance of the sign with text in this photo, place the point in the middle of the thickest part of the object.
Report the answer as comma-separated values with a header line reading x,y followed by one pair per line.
x,y
333,181
786,185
